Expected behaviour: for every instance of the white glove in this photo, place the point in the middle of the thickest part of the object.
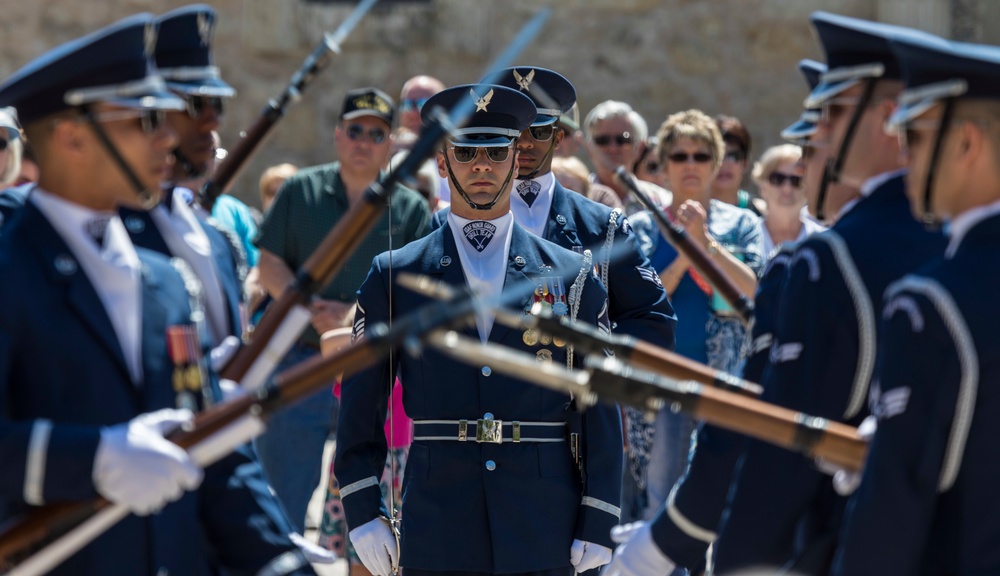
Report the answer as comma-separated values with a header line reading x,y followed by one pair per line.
x,y
223,353
376,546
230,390
137,467
845,482
587,555
637,554
314,553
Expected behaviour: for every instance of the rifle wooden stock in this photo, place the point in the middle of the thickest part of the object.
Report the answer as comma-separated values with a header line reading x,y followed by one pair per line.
x,y
702,262
611,380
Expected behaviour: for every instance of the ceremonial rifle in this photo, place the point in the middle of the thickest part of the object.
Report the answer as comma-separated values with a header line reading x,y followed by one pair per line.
x,y
590,340
289,315
611,380
691,250
275,108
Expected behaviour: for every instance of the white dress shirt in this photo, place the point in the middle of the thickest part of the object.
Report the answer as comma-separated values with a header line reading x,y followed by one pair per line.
x,y
534,217
485,270
113,270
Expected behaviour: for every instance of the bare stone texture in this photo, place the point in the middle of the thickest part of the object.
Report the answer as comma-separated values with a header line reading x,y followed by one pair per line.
x,y
723,56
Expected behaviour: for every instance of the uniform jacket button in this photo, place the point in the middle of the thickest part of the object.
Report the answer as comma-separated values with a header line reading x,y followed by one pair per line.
x,y
491,465
486,370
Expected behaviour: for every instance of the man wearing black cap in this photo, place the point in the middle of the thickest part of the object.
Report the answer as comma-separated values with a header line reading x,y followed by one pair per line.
x,y
490,485
87,418
307,206
927,501
782,509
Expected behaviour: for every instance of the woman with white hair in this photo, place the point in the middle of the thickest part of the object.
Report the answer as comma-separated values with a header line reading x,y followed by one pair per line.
x,y
779,176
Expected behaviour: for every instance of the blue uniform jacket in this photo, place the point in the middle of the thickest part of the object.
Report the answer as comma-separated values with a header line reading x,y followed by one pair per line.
x,y
11,200
927,502
686,525
781,507
60,360
143,232
458,513
638,304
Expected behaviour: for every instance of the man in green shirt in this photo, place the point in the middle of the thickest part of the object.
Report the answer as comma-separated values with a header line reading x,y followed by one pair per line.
x,y
306,208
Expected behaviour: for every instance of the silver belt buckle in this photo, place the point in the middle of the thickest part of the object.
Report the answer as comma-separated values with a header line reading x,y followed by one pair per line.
x,y
489,430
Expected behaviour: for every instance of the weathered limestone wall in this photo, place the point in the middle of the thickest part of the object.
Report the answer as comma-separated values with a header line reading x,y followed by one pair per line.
x,y
731,56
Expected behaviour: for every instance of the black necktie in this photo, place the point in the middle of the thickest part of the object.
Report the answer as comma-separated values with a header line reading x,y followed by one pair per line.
x,y
96,227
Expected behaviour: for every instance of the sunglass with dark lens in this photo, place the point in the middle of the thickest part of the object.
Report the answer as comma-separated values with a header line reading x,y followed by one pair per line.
x,y
603,140
542,133
196,105
466,154
149,119
652,166
734,156
778,179
412,104
357,132
3,144
682,157
834,107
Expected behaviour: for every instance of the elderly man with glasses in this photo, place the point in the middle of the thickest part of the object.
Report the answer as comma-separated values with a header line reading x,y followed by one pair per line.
x,y
306,208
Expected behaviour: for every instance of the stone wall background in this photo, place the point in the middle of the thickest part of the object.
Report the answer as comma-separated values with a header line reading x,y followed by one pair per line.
x,y
722,56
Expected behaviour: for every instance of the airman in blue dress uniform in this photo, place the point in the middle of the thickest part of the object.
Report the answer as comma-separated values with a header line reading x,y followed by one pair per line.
x,y
782,509
487,505
183,55
85,380
927,500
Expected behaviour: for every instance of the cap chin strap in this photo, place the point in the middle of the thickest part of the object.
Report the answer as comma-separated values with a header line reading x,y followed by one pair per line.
x,y
461,191
831,172
147,198
545,158
190,171
931,222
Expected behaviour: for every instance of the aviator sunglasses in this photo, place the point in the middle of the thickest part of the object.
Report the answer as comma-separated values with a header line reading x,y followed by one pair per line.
x,y
412,104
196,105
357,132
150,119
542,133
466,154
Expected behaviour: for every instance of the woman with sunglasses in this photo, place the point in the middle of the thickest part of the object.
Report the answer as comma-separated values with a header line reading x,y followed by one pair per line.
x,y
690,151
779,176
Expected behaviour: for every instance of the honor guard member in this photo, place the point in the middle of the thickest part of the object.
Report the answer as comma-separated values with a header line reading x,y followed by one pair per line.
x,y
87,418
783,510
184,58
638,304
683,529
491,486
927,501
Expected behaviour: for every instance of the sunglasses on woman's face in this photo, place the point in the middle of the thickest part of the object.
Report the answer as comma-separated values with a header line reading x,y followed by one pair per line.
x,y
683,157
466,154
778,179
